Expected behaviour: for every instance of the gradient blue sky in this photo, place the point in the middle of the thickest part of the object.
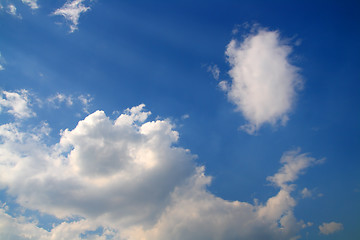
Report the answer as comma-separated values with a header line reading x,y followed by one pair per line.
x,y
57,68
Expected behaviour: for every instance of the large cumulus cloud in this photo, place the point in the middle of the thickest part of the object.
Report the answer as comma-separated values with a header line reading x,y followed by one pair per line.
x,y
127,179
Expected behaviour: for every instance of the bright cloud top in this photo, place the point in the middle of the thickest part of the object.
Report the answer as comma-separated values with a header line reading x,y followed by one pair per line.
x,y
330,228
128,178
264,82
71,12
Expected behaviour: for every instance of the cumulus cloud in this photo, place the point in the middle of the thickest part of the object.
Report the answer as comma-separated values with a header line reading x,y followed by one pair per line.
x,y
128,178
330,228
71,11
16,103
31,3
264,82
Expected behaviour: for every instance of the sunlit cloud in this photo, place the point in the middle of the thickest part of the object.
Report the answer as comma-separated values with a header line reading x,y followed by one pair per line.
x,y
264,82
127,177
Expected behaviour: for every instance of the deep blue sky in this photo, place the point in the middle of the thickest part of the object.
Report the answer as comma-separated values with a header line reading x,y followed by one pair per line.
x,y
125,53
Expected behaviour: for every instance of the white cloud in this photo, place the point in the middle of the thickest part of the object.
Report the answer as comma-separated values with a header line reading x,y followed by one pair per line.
x,y
330,228
31,3
128,176
294,165
11,9
264,82
85,101
71,12
59,98
17,103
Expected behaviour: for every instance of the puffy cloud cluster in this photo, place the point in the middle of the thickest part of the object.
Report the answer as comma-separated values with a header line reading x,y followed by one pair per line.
x,y
71,12
127,179
264,82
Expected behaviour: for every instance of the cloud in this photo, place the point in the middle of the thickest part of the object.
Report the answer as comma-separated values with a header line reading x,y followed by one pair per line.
x,y
306,193
330,228
71,12
11,9
31,3
59,98
85,101
17,103
128,178
2,60
214,70
264,82
294,165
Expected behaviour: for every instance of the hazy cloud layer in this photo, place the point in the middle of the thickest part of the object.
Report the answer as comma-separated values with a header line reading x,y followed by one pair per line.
x,y
128,178
264,82
71,12
330,228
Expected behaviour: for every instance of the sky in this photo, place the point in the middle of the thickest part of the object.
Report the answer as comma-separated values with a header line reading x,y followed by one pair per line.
x,y
151,120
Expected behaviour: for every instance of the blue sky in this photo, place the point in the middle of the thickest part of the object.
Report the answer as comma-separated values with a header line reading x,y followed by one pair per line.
x,y
179,119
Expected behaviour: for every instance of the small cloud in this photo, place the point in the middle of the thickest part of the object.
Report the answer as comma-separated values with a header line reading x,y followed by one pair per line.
x,y
214,70
330,228
264,82
85,101
31,3
17,103
71,12
60,98
224,85
185,116
294,165
11,9
306,193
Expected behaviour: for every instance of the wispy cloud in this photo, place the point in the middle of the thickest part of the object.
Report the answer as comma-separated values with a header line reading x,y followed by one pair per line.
x,y
264,82
126,177
31,3
71,11
214,70
2,61
330,228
